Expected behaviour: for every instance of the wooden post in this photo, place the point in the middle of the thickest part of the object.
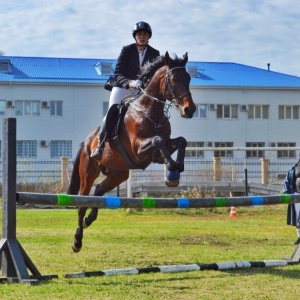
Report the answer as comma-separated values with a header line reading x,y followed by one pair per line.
x,y
128,186
64,173
217,172
265,170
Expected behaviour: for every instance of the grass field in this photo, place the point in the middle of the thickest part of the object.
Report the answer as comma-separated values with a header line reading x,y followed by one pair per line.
x,y
121,239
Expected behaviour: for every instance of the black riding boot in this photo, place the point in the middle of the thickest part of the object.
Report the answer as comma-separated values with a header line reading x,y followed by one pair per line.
x,y
97,152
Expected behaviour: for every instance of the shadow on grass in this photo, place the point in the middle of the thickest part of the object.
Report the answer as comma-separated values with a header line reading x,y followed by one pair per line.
x,y
292,274
193,275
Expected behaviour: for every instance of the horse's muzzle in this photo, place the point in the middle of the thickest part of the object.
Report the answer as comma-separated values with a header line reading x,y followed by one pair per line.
x,y
188,112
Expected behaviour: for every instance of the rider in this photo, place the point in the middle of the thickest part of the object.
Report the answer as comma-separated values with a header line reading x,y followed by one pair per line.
x,y
291,185
131,58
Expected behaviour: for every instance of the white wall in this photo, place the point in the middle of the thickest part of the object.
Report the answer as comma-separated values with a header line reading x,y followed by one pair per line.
x,y
82,112
239,130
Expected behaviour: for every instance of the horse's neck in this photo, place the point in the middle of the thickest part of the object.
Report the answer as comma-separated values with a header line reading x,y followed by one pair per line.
x,y
152,105
153,100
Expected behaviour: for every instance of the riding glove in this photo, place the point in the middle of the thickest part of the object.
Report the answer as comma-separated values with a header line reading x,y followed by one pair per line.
x,y
135,84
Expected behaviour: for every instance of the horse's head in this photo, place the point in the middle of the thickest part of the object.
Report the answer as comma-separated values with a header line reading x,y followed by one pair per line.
x,y
177,85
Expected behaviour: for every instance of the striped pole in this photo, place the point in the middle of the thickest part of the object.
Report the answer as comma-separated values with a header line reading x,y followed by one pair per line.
x,y
148,202
181,268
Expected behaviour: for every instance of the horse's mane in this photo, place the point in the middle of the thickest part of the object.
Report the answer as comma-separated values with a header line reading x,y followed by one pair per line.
x,y
147,71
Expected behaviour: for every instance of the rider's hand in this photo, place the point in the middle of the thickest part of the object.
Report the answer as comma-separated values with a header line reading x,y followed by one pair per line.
x,y
135,84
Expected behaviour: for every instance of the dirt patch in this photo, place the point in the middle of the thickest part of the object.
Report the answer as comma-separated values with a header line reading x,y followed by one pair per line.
x,y
202,240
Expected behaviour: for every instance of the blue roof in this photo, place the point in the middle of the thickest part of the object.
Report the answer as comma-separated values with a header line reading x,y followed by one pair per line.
x,y
80,70
238,75
59,70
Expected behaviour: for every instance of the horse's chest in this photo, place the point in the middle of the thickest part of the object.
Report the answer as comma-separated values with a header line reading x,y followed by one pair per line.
x,y
152,125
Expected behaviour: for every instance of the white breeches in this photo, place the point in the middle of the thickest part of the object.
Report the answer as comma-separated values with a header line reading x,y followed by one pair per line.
x,y
117,95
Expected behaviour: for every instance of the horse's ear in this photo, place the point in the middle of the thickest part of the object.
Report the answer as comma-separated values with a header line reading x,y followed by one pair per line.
x,y
185,58
167,58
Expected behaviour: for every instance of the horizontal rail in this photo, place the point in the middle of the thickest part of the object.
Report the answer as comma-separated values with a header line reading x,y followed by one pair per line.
x,y
241,148
147,202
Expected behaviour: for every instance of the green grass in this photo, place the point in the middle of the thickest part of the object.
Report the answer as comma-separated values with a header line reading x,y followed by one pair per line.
x,y
121,239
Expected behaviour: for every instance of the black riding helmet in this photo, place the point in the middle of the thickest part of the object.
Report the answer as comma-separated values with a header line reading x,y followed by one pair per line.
x,y
141,26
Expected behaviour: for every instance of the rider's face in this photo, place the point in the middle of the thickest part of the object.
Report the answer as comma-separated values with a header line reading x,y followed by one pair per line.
x,y
142,37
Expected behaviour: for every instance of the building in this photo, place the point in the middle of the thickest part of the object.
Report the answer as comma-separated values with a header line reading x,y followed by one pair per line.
x,y
58,101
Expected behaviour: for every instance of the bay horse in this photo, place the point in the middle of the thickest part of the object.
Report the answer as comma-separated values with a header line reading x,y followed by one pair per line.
x,y
144,133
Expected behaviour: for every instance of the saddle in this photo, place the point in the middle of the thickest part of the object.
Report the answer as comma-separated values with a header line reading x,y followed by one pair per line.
x,y
114,117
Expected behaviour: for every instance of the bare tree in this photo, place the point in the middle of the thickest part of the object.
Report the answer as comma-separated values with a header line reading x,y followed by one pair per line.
x,y
2,53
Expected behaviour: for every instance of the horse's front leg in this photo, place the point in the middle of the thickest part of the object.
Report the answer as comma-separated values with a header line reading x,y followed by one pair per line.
x,y
160,144
180,145
172,175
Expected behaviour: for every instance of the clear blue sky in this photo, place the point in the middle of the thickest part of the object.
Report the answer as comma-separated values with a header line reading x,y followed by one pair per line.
x,y
251,32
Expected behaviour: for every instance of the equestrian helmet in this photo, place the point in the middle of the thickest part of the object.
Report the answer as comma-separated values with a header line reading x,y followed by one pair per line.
x,y
141,26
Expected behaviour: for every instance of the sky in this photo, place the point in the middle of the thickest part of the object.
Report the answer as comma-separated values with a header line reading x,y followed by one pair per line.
x,y
250,32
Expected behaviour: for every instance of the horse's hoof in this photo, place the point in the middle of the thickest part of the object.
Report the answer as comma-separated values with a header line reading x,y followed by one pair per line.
x,y
171,183
75,249
172,178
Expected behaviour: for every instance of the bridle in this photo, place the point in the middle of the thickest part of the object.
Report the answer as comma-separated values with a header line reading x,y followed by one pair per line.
x,y
168,84
175,99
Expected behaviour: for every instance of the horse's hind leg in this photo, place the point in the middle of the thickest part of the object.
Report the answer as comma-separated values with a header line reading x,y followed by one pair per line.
x,y
79,231
113,179
87,221
89,171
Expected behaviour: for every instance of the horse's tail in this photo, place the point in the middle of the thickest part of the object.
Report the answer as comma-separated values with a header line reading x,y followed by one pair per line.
x,y
75,178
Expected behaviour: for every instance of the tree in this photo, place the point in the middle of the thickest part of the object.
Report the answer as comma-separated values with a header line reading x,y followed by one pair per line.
x,y
2,53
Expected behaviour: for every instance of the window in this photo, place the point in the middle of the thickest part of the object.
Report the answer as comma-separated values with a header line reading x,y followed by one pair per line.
x,y
286,153
255,153
194,153
223,153
26,149
104,108
5,66
288,112
56,108
201,111
60,149
227,111
104,68
193,71
2,107
258,112
27,108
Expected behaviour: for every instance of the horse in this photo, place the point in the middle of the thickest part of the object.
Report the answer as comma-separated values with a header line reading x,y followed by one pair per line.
x,y
144,133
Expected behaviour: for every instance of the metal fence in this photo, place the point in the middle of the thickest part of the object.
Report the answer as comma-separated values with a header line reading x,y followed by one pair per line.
x,y
232,170
49,173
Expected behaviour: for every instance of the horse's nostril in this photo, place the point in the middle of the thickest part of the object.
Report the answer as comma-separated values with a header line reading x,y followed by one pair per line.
x,y
188,112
